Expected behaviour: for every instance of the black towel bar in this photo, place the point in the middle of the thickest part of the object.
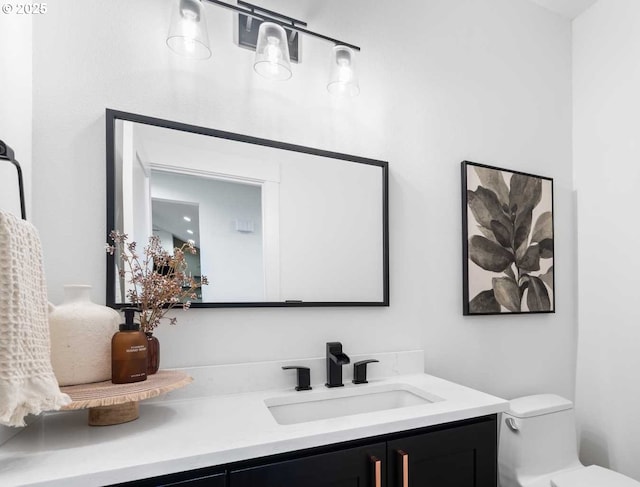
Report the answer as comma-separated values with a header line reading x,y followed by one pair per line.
x,y
7,154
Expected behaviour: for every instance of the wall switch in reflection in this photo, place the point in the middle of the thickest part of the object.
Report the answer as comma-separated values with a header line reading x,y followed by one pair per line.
x,y
244,226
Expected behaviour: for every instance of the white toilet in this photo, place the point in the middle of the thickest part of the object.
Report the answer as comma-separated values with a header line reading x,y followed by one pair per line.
x,y
538,447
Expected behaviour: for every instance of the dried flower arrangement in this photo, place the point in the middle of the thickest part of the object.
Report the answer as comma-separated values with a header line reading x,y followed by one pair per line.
x,y
159,280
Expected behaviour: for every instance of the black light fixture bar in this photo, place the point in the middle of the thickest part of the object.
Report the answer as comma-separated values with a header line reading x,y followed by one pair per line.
x,y
276,15
271,13
288,25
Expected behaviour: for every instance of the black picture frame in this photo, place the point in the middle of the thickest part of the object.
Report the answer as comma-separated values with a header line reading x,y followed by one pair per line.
x,y
112,116
507,241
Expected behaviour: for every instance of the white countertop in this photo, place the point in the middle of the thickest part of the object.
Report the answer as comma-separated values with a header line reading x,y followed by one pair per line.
x,y
183,434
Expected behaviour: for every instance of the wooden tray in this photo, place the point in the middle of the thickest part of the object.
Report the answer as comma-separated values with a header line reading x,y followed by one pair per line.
x,y
110,403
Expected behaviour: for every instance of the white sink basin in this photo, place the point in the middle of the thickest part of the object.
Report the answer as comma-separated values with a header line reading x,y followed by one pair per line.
x,y
333,403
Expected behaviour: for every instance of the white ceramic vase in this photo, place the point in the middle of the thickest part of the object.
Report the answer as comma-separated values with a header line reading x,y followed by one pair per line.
x,y
81,333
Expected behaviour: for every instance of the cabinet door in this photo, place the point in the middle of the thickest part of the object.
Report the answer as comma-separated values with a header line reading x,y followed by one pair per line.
x,y
208,481
188,480
353,467
462,456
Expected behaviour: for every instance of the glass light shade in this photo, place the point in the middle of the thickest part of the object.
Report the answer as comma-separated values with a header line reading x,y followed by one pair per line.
x,y
272,52
344,79
188,35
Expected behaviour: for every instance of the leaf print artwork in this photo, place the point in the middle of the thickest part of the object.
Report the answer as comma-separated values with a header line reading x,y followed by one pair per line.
x,y
507,241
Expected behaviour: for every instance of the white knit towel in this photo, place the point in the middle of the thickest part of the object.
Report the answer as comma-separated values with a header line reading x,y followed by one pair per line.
x,y
27,382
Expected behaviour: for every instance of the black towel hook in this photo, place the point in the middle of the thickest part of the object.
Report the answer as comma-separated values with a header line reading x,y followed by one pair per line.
x,y
7,154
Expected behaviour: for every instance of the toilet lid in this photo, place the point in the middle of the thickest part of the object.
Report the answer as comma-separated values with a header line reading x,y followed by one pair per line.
x,y
593,476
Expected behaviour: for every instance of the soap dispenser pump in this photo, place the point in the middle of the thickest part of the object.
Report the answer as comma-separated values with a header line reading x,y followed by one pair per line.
x,y
129,351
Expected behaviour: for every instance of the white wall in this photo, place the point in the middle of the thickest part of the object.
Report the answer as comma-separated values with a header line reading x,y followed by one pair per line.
x,y
607,174
15,106
442,81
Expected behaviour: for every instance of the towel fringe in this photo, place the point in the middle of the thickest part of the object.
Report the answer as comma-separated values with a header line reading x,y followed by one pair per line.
x,y
31,396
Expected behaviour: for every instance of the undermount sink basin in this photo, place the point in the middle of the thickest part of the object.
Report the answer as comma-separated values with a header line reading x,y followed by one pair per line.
x,y
334,403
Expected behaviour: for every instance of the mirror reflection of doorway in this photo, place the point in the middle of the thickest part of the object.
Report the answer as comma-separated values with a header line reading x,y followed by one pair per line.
x,y
227,225
177,223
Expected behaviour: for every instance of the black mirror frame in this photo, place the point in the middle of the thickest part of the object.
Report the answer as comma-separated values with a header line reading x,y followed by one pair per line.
x,y
113,115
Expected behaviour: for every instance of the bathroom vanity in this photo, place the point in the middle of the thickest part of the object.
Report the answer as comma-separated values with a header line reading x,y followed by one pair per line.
x,y
462,453
400,426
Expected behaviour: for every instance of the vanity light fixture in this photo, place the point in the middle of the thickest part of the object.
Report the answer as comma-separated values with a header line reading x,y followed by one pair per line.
x,y
272,35
272,52
343,79
188,31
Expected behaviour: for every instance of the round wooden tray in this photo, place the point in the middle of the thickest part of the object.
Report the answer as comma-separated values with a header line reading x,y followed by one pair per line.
x,y
110,403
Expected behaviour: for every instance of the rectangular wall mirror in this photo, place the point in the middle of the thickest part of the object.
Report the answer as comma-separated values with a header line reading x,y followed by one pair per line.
x,y
274,224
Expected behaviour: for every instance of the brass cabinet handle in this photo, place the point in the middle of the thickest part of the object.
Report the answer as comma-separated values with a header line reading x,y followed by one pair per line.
x,y
376,471
403,471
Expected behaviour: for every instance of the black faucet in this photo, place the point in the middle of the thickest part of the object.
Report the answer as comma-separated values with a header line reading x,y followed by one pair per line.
x,y
335,360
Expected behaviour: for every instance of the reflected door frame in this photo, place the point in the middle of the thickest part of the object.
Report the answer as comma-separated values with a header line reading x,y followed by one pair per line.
x,y
270,201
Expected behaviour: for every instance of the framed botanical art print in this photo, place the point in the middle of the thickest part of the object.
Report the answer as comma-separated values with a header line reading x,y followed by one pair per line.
x,y
507,244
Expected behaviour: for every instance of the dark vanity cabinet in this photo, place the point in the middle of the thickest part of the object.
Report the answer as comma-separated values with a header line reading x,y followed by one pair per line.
x,y
444,456
464,456
352,467
195,478
218,480
460,454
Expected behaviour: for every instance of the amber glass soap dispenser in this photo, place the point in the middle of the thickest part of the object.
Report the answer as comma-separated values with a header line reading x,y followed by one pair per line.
x,y
129,352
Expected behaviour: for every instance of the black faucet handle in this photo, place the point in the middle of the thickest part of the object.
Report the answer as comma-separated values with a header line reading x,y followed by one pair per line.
x,y
304,376
360,371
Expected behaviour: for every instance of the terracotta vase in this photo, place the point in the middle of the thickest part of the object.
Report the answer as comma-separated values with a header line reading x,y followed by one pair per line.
x,y
81,333
153,353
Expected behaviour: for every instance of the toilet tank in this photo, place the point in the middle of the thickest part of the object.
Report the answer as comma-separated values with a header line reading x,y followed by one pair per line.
x,y
537,437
